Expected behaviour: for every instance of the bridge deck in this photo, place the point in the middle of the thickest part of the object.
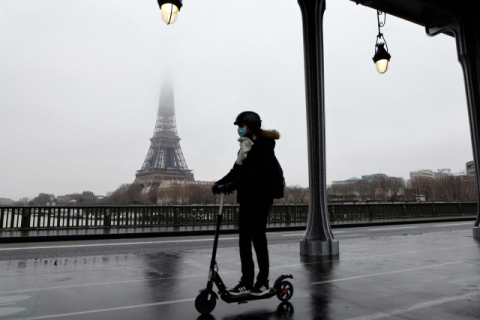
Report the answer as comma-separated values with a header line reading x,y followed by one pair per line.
x,y
417,276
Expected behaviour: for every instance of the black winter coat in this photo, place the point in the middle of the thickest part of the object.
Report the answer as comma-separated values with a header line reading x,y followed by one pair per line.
x,y
254,179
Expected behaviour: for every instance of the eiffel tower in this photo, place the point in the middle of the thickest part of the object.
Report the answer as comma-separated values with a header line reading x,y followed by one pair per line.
x,y
164,160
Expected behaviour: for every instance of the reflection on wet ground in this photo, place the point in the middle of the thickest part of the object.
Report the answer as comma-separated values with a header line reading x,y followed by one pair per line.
x,y
427,276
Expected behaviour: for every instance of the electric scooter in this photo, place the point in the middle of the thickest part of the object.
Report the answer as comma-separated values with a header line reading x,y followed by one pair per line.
x,y
207,299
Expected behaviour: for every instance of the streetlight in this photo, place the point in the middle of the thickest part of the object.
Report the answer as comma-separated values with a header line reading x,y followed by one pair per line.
x,y
170,9
381,57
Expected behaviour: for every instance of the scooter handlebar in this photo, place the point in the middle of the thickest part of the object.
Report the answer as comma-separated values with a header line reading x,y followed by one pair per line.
x,y
221,189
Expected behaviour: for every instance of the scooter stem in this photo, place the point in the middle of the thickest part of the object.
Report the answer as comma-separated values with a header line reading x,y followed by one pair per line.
x,y
220,212
217,232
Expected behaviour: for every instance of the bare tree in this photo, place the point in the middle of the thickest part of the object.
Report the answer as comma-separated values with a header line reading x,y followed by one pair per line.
x,y
422,186
469,191
127,194
175,194
395,186
382,185
372,190
362,188
88,197
408,194
339,192
297,194
43,199
119,196
162,194
152,195
22,201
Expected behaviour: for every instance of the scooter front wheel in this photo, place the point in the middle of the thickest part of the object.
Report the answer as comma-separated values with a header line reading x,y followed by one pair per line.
x,y
205,302
284,291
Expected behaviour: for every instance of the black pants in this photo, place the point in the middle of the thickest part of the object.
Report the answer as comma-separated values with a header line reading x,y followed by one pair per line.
x,y
252,224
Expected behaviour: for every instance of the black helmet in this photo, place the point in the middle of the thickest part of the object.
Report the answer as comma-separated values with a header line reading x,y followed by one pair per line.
x,y
249,117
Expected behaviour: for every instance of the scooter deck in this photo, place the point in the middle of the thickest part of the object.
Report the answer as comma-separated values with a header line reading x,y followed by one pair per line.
x,y
246,297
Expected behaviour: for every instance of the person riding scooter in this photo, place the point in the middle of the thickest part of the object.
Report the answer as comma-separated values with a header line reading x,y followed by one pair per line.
x,y
253,176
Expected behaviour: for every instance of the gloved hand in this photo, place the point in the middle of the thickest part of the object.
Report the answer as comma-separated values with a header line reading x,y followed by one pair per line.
x,y
215,189
226,188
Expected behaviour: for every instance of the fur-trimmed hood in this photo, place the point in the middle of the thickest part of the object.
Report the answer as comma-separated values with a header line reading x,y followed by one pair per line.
x,y
272,134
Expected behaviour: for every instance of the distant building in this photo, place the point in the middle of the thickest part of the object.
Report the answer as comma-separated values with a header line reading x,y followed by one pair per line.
x,y
374,176
471,168
447,171
63,199
343,182
421,174
459,174
439,175
442,173
6,201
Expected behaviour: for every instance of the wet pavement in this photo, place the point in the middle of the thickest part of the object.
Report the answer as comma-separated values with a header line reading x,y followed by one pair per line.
x,y
432,275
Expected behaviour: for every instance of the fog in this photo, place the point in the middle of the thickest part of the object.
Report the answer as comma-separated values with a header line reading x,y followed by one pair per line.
x,y
80,83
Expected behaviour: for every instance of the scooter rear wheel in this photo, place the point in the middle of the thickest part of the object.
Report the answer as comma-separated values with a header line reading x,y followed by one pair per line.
x,y
284,291
205,302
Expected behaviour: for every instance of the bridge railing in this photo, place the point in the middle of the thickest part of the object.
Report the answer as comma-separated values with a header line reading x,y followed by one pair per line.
x,y
14,218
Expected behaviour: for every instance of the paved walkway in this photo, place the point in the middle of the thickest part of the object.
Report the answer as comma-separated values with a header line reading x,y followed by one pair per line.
x,y
424,276
144,232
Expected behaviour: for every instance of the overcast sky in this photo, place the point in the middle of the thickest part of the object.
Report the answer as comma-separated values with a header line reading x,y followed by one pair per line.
x,y
80,84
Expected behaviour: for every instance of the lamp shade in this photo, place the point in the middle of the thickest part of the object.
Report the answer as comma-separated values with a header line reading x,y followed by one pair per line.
x,y
382,65
381,58
169,9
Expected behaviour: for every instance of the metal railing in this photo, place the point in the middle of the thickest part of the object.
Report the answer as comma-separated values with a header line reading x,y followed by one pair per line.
x,y
14,218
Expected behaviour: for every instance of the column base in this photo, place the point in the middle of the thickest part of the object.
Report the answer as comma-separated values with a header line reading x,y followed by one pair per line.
x,y
319,248
476,232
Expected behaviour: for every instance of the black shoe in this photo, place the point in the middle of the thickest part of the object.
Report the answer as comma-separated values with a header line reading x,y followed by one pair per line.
x,y
240,289
260,289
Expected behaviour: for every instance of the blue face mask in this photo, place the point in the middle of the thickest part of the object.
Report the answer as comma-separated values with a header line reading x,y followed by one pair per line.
x,y
242,132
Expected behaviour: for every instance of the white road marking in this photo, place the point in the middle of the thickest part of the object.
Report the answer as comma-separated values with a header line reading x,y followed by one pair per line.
x,y
7,300
419,306
382,229
109,309
342,235
111,244
5,311
390,272
454,224
277,233
302,234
